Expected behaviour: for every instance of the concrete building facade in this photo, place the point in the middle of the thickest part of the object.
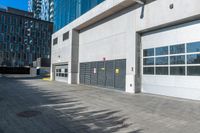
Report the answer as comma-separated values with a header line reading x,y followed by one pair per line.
x,y
150,46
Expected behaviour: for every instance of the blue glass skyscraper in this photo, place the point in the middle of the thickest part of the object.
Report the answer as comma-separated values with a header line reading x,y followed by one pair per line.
x,y
65,11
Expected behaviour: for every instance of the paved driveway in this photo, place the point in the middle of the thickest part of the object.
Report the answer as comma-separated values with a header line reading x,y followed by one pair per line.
x,y
52,107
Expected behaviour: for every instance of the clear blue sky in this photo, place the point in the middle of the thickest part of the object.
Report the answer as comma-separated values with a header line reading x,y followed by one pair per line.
x,y
19,4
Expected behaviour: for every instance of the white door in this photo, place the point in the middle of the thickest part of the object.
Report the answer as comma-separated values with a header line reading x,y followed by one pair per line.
x,y
171,61
61,73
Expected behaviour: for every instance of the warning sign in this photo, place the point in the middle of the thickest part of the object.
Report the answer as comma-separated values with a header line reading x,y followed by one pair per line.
x,y
117,71
95,71
102,68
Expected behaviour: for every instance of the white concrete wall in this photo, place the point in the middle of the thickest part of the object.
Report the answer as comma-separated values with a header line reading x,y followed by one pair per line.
x,y
158,12
112,38
61,53
105,40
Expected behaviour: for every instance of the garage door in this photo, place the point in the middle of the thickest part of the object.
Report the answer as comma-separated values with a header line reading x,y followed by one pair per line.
x,y
61,73
110,74
171,61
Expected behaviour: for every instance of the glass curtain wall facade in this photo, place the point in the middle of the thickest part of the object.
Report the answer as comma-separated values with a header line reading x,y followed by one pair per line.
x,y
45,8
23,40
65,11
42,9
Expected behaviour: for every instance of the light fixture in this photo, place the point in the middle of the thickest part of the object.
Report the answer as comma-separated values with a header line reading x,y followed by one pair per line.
x,y
140,2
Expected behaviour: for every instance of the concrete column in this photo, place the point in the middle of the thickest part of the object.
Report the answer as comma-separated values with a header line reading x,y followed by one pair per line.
x,y
138,66
74,57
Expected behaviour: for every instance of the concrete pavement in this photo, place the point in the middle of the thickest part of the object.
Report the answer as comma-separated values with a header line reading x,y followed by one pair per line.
x,y
80,109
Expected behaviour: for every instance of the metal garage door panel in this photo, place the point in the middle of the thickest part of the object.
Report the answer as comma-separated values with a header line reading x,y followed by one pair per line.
x,y
171,80
120,74
110,73
93,73
87,73
82,73
101,74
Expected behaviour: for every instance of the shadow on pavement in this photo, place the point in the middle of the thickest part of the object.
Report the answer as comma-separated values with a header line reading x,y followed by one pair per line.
x,y
63,113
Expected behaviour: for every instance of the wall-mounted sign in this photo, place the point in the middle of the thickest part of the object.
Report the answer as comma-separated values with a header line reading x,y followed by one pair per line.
x,y
95,71
102,68
117,71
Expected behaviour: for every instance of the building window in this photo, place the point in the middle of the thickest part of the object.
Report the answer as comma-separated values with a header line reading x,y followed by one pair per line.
x,y
62,73
162,51
162,61
148,61
148,52
177,49
193,47
177,59
161,70
55,41
148,70
178,70
193,59
193,70
66,36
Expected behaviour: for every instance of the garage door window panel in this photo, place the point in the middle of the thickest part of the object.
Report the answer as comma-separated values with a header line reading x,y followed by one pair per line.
x,y
162,61
148,52
161,70
179,70
193,70
193,59
63,75
162,51
174,60
148,70
193,47
148,61
177,49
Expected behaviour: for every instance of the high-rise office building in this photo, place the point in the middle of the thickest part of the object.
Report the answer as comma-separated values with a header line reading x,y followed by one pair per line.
x,y
23,38
65,11
42,9
51,10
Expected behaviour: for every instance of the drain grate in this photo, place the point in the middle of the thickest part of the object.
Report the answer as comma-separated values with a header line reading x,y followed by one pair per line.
x,y
29,113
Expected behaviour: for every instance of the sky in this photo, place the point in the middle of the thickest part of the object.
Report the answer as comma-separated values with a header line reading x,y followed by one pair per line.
x,y
19,4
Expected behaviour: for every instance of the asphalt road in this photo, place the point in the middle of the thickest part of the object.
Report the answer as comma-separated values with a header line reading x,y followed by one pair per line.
x,y
34,106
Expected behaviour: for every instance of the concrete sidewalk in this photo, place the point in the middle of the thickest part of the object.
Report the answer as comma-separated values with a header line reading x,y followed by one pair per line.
x,y
79,109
